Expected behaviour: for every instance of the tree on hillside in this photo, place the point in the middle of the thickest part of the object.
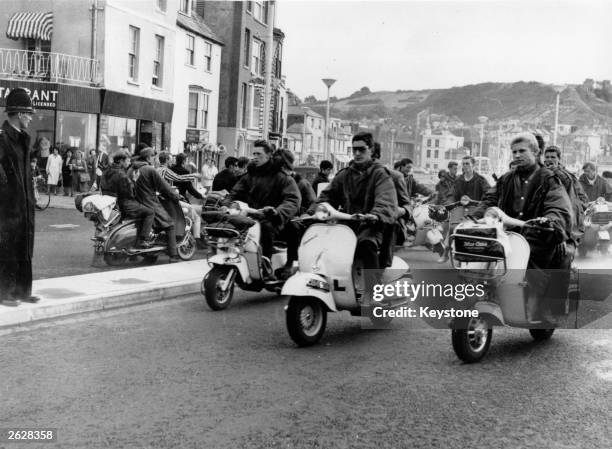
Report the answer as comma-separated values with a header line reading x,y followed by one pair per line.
x,y
361,92
310,99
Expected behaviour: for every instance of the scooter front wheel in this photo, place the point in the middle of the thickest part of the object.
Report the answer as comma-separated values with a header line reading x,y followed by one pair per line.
x,y
188,249
216,297
471,339
306,320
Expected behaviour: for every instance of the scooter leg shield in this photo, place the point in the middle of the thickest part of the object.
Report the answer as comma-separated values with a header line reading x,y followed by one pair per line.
x,y
298,285
243,270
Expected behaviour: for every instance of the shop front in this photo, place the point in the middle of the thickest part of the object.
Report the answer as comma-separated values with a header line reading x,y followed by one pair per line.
x,y
65,117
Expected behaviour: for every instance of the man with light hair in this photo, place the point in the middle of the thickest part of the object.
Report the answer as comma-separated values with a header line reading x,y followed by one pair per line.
x,y
533,192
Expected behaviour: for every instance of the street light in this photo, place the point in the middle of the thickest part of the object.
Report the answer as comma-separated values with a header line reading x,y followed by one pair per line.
x,y
557,89
392,152
328,82
482,119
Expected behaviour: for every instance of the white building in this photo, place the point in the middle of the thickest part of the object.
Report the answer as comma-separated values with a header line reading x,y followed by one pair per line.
x,y
197,65
437,149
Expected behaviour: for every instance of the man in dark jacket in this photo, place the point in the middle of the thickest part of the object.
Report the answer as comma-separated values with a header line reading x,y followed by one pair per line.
x,y
147,183
115,182
265,186
528,192
470,183
365,187
325,169
594,185
16,202
445,189
413,187
226,179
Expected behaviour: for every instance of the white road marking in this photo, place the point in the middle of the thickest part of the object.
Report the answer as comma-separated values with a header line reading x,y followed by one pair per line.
x,y
64,226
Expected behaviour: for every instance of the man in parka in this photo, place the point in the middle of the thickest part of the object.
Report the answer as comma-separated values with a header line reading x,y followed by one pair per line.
x,y
115,182
528,192
594,185
365,187
16,202
265,186
147,183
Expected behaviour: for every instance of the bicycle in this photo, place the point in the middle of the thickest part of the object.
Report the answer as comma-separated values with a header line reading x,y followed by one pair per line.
x,y
41,193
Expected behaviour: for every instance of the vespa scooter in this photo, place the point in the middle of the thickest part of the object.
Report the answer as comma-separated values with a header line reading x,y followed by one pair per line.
x,y
235,235
487,254
597,224
328,278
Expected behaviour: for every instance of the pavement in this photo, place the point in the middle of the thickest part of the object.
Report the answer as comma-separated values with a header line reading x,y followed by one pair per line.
x,y
68,295
62,202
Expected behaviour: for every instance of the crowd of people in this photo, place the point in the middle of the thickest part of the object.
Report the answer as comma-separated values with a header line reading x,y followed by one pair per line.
x,y
536,187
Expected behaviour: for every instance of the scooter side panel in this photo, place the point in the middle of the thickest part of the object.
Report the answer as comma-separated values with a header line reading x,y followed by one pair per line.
x,y
243,271
511,292
329,249
297,285
122,237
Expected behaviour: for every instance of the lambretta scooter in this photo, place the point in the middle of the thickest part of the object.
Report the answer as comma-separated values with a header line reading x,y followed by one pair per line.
x,y
486,254
328,278
114,238
597,224
235,235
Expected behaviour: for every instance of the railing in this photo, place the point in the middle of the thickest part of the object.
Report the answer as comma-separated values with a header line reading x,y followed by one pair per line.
x,y
51,67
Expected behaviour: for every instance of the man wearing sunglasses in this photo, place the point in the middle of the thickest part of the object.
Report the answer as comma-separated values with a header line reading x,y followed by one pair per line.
x,y
365,187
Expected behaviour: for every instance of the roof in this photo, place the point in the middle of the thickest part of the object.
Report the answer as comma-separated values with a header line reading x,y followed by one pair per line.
x,y
195,24
301,110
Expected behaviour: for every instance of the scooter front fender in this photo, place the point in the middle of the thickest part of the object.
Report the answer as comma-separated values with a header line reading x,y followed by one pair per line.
x,y
239,262
491,309
297,285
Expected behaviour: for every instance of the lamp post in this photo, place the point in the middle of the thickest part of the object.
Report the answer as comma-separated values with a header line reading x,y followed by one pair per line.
x,y
328,82
482,119
392,152
557,89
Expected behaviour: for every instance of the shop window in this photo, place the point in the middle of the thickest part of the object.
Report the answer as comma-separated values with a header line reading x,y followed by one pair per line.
x,y
76,130
133,53
207,56
42,125
190,50
158,61
121,132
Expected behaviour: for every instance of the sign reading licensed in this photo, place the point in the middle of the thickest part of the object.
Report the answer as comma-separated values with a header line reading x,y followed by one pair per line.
x,y
41,98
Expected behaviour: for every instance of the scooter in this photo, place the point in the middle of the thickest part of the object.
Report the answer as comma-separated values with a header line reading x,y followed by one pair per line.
x,y
486,254
114,238
329,279
597,224
235,235
427,219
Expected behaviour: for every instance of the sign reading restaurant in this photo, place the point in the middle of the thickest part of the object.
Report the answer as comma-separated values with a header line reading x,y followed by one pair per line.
x,y
41,97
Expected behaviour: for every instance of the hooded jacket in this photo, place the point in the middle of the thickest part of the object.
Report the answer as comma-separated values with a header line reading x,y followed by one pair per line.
x,y
600,188
367,191
267,185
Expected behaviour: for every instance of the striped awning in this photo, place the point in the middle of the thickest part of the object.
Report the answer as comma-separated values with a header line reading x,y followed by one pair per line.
x,y
32,25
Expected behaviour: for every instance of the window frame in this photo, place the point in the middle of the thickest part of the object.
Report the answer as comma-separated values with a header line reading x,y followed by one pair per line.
x,y
190,55
255,93
202,105
188,7
256,60
247,48
161,5
244,120
208,50
133,54
159,60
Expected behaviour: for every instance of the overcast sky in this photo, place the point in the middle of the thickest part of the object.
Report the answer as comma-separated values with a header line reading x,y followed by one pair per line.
x,y
391,45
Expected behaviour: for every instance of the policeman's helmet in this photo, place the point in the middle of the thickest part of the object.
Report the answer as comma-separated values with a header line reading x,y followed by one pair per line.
x,y
18,100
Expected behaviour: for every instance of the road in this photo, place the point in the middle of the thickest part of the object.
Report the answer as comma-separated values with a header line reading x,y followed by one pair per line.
x,y
63,247
174,374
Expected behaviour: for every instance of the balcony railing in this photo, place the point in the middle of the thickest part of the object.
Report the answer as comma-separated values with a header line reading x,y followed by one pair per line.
x,y
50,67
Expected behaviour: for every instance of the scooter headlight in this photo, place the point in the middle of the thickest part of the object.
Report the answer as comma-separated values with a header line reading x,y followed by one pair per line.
x,y
88,207
465,200
321,212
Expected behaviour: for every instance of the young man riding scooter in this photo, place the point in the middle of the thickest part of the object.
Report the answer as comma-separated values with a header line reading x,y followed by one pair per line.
x,y
115,182
265,186
531,191
365,187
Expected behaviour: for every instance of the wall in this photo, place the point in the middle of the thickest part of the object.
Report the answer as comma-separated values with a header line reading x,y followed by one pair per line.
x,y
143,14
187,75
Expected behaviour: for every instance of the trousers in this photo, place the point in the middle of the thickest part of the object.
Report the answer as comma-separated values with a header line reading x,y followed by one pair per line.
x,y
15,279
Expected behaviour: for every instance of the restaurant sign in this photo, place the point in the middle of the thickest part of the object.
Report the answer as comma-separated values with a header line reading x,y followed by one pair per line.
x,y
42,98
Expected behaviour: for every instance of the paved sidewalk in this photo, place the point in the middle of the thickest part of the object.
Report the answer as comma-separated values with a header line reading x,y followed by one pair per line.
x,y
98,291
62,202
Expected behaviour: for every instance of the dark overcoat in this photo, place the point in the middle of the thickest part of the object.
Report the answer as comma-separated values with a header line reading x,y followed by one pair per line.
x,y
147,185
16,196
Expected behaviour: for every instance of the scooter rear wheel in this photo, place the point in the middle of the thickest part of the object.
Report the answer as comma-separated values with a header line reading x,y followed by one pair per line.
x,y
471,339
306,320
186,251
115,259
216,298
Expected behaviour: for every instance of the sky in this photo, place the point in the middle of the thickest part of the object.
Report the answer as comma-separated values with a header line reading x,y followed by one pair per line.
x,y
414,45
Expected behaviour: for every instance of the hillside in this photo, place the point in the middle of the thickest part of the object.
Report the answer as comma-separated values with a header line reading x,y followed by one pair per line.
x,y
530,102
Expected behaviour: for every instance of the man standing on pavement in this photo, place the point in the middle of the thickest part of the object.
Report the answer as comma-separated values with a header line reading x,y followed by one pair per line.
x,y
470,183
325,169
594,185
209,171
16,202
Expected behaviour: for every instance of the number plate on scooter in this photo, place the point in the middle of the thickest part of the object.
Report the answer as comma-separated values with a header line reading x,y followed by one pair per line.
x,y
603,235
